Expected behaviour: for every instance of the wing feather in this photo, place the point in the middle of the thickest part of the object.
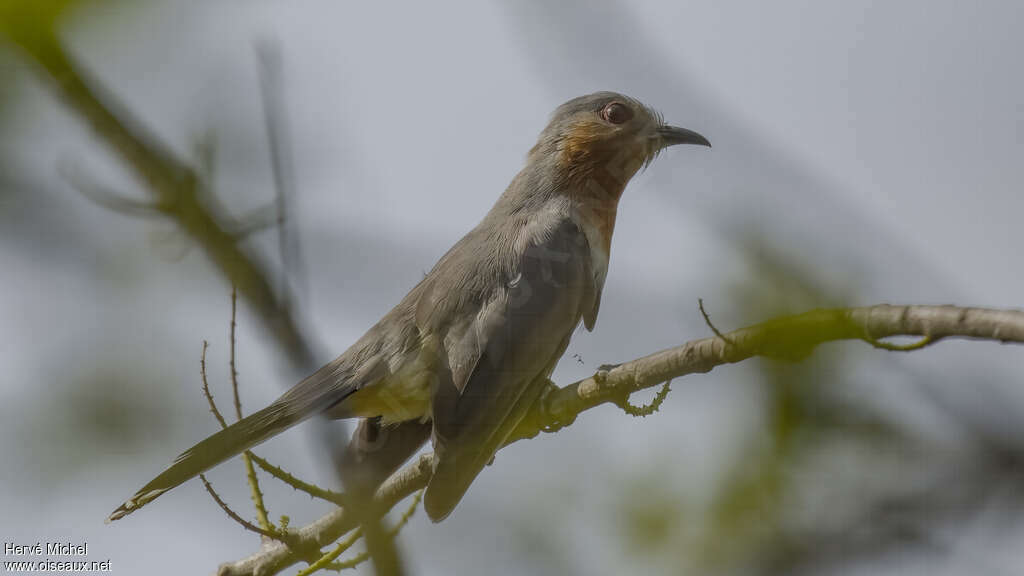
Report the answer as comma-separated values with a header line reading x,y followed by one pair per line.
x,y
501,362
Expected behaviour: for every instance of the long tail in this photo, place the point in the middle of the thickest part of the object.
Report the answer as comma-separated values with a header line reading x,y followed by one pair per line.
x,y
309,397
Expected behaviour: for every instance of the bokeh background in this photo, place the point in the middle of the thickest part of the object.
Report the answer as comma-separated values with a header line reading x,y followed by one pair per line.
x,y
864,152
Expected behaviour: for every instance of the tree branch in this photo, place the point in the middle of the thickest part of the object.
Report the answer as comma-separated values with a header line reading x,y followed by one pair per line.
x,y
273,558
790,337
174,185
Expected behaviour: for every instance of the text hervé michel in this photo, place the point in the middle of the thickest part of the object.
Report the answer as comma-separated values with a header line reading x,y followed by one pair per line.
x,y
47,549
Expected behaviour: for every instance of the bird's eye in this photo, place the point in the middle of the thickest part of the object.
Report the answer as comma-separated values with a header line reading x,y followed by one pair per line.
x,y
616,113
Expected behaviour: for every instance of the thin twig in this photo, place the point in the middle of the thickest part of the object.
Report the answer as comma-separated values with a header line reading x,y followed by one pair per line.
x,y
254,491
707,320
272,534
644,411
250,472
329,495
206,387
231,360
325,561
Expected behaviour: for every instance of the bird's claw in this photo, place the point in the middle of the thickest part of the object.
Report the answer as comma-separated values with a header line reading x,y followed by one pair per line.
x,y
602,372
545,402
545,395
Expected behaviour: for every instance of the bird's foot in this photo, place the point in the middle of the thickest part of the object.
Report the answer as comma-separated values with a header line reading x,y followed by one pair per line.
x,y
546,403
602,372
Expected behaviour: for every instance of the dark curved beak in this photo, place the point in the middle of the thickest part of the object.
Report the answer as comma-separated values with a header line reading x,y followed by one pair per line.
x,y
672,135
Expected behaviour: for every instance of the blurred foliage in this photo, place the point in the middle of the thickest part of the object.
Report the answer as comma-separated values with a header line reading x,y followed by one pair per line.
x,y
93,410
651,517
822,479
746,514
178,190
105,404
33,23
29,25
8,90
748,525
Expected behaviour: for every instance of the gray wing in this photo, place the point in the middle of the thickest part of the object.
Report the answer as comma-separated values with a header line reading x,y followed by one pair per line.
x,y
502,361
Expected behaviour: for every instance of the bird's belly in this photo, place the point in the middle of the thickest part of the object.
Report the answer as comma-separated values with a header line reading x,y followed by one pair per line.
x,y
399,398
404,394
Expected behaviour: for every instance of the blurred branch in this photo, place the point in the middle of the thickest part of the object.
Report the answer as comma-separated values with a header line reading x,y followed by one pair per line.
x,y
103,196
176,188
789,337
406,516
275,119
257,221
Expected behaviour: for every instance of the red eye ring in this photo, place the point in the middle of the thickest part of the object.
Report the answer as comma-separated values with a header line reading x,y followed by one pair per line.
x,y
616,113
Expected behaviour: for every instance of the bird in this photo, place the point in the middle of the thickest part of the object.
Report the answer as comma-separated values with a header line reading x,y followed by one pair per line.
x,y
465,354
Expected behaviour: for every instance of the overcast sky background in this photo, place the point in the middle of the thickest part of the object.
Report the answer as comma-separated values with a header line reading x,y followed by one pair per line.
x,y
877,145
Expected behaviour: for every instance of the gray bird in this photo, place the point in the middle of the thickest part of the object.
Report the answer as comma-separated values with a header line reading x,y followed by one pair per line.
x,y
467,352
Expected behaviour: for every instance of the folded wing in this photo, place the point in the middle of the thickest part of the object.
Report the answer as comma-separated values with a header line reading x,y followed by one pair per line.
x,y
501,363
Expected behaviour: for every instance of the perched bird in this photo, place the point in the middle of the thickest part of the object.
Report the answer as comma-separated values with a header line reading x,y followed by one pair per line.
x,y
467,352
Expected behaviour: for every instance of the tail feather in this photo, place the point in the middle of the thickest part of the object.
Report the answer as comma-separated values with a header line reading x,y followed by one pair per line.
x,y
326,387
231,441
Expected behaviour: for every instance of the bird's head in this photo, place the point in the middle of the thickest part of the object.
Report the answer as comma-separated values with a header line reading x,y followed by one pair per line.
x,y
604,139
